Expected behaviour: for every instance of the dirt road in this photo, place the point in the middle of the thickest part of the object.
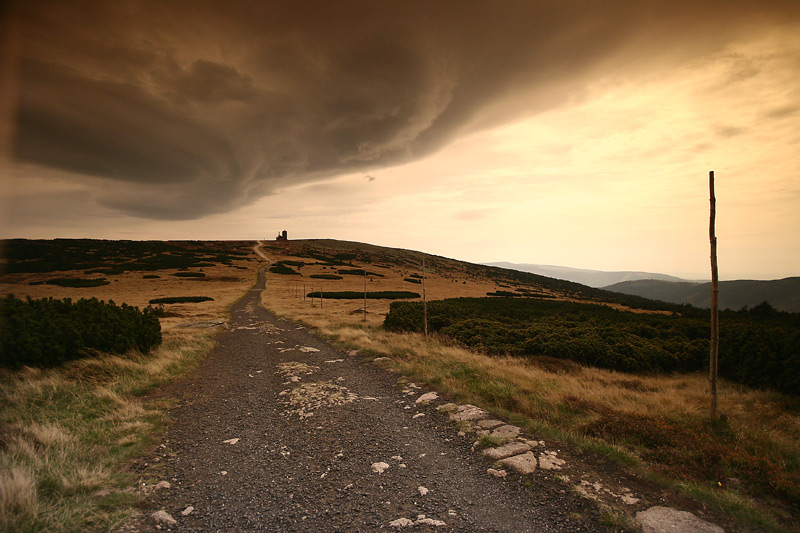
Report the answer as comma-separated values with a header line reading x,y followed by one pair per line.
x,y
278,431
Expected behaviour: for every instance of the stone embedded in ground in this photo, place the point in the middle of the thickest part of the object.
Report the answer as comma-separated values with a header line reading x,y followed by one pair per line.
x,y
428,522
230,441
490,424
418,415
422,490
380,467
426,398
507,432
524,463
667,520
163,518
468,412
401,522
307,349
163,485
497,473
352,353
507,450
627,499
549,461
187,511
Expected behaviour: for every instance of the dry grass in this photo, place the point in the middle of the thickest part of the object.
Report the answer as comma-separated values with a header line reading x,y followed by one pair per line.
x,y
68,434
582,405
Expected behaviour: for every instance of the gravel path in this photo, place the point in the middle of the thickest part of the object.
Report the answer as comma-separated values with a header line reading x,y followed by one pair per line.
x,y
279,431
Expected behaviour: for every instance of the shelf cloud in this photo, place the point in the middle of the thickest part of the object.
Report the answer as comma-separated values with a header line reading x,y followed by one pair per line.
x,y
181,109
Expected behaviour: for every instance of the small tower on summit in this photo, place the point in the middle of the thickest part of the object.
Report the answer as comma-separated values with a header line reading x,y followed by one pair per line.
x,y
283,236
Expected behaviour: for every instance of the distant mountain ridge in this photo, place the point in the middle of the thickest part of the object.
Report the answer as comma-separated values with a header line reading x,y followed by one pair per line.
x,y
782,294
592,278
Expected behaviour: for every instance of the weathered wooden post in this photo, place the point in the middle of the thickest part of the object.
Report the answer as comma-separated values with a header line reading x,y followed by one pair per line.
x,y
714,356
424,298
365,294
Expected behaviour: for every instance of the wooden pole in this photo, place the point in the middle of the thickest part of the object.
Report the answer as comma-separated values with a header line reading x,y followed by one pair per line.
x,y
424,297
714,355
365,295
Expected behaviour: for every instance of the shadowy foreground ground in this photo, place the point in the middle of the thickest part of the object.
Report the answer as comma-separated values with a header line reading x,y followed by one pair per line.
x,y
279,431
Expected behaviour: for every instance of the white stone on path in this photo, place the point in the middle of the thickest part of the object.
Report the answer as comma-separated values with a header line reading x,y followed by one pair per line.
x,y
187,511
507,432
468,412
163,518
422,520
401,522
422,490
307,349
380,467
230,441
418,415
524,463
667,520
549,461
426,398
489,424
507,450
163,485
497,473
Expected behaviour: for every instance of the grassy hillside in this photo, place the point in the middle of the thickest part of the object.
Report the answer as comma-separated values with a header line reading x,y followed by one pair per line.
x,y
746,467
71,435
782,294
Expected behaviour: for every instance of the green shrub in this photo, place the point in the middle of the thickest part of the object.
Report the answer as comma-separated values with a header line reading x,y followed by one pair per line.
x,y
77,282
358,272
283,269
181,299
413,280
758,349
189,274
49,332
151,276
356,295
325,276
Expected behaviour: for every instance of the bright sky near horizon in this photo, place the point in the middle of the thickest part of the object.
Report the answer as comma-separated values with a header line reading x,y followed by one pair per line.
x,y
567,133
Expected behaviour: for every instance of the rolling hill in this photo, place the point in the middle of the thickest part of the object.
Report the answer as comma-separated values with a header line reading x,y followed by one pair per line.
x,y
782,294
592,278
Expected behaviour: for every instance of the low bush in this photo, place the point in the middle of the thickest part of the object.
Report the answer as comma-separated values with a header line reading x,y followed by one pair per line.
x,y
325,276
413,280
358,272
181,299
189,274
283,269
758,348
356,295
77,282
49,332
150,276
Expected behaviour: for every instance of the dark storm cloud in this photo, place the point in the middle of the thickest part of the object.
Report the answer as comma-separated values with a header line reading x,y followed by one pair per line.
x,y
191,108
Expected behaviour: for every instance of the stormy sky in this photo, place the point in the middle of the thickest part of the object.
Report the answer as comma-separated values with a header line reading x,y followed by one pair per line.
x,y
576,133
